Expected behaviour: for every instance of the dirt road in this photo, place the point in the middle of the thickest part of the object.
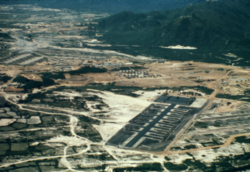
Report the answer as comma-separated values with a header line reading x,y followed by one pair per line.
x,y
227,143
188,125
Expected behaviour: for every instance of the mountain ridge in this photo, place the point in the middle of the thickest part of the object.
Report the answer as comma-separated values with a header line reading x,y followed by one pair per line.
x,y
110,6
206,25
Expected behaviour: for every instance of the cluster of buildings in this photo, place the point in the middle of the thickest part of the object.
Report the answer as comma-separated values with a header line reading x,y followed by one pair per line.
x,y
136,74
66,65
192,93
188,92
66,68
107,64
243,81
161,61
236,79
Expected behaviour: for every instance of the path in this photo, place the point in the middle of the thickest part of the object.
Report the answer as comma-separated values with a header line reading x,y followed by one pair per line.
x,y
189,124
227,143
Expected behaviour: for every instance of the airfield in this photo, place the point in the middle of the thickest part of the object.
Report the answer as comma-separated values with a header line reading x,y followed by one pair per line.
x,y
157,126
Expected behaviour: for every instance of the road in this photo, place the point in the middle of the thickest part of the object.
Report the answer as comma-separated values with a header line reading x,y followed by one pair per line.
x,y
223,117
188,125
227,143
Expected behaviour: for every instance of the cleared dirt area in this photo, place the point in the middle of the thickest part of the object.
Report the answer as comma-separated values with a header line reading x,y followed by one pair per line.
x,y
101,77
228,142
183,75
228,106
32,77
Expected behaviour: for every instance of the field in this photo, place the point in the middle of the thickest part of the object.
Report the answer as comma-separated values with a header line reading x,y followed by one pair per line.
x,y
70,102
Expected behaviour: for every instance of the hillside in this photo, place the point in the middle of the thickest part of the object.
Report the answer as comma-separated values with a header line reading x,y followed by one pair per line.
x,y
111,6
5,36
218,25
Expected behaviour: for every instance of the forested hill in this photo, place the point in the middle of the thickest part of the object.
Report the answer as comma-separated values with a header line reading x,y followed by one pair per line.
x,y
220,25
110,6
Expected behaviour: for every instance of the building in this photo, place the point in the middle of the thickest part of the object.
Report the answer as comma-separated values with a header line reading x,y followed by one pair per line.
x,y
161,61
65,68
129,63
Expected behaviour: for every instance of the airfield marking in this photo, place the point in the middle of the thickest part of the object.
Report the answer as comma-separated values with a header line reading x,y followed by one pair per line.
x,y
147,128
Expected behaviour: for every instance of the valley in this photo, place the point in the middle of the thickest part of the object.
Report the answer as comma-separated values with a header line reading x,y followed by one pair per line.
x,y
73,99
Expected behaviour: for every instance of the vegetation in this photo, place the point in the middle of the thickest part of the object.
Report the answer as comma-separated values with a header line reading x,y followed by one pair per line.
x,y
213,143
194,164
166,158
190,147
204,28
223,163
242,139
175,167
220,69
201,124
198,88
5,78
87,69
102,157
217,124
48,78
58,75
244,97
176,148
109,6
142,168
5,36
30,84
83,70
168,28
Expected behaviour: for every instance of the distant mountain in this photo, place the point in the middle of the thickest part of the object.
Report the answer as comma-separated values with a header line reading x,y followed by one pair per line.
x,y
111,6
211,24
240,4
